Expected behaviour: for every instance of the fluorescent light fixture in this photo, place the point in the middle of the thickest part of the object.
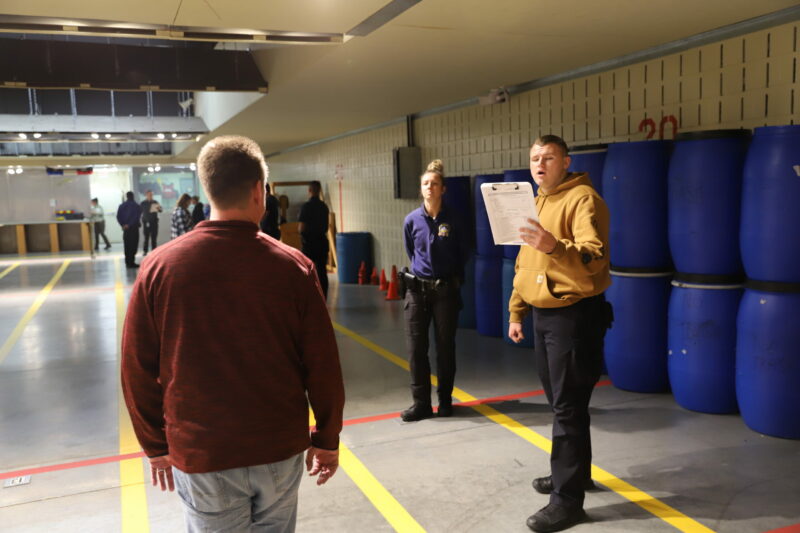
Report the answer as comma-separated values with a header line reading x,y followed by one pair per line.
x,y
150,169
107,135
23,136
160,135
158,168
37,135
174,135
95,136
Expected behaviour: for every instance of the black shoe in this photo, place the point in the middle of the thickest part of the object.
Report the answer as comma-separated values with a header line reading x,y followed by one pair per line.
x,y
544,485
108,246
445,410
416,412
554,517
132,265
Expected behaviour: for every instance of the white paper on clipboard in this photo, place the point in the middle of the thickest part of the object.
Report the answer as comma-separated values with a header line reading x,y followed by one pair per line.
x,y
509,205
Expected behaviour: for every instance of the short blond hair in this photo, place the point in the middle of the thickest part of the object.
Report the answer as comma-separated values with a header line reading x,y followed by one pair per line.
x,y
228,166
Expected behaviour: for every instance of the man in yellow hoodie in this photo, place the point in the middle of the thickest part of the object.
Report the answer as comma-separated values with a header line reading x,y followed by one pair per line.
x,y
562,274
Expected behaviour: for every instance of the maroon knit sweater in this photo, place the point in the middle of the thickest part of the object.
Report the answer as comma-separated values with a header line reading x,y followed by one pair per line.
x,y
226,333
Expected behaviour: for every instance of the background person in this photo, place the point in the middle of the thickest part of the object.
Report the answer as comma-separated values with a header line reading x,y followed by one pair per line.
x,y
438,249
150,211
181,220
563,273
198,214
313,230
99,219
218,381
129,213
269,224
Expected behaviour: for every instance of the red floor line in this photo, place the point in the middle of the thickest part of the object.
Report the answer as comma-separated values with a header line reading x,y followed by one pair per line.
x,y
788,529
67,466
351,422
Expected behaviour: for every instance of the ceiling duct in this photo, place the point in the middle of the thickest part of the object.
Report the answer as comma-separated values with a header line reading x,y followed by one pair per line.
x,y
58,65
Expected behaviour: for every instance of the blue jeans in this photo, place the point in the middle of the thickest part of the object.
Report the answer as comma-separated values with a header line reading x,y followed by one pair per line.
x,y
260,498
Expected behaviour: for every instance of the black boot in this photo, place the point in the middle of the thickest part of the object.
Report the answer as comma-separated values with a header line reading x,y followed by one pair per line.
x,y
554,517
416,412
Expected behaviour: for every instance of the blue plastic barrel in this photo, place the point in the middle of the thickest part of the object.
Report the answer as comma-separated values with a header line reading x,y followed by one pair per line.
x,y
484,242
489,295
635,190
770,231
768,362
702,346
457,199
589,159
636,344
351,249
466,318
705,199
523,174
527,324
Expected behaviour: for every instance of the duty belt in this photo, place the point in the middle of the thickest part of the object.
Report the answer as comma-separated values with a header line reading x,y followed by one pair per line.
x,y
417,284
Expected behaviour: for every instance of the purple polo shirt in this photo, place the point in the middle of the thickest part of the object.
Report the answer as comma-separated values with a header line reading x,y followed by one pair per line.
x,y
437,247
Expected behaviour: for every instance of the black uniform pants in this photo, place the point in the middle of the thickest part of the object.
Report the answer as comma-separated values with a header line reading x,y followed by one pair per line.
x,y
150,234
420,307
100,231
130,241
569,357
318,253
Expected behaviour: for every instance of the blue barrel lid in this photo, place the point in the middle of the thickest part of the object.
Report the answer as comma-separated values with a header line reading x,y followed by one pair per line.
x,y
777,130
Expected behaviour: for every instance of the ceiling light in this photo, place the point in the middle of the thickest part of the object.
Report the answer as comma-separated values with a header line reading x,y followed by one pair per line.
x,y
150,169
193,166
37,135
19,171
11,171
158,168
160,135
174,135
23,136
95,136
107,135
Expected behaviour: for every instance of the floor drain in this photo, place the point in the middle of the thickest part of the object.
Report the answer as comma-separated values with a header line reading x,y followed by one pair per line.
x,y
16,481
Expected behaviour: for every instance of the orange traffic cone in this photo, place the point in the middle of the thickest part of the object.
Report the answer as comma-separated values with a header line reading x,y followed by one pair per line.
x,y
384,286
392,294
362,273
373,279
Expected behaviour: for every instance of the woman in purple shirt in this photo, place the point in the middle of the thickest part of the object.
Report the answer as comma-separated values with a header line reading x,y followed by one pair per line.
x,y
437,249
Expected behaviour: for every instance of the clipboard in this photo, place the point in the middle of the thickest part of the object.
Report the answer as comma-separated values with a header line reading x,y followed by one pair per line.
x,y
508,206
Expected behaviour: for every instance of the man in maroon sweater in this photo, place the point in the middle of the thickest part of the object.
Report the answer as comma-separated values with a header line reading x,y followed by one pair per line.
x,y
227,340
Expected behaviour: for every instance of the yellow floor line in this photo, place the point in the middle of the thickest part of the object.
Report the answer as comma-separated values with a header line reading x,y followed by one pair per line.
x,y
663,511
8,270
381,499
29,314
133,498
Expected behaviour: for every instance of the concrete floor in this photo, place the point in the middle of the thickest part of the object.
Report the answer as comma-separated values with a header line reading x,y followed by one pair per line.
x,y
59,404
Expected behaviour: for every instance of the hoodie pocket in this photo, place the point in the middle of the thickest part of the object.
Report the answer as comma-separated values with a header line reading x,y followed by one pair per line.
x,y
534,287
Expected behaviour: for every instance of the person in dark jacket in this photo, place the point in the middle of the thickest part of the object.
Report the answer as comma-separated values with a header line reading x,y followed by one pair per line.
x,y
314,231
269,224
150,211
129,214
197,211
